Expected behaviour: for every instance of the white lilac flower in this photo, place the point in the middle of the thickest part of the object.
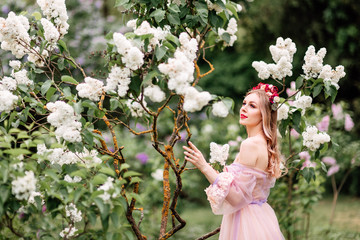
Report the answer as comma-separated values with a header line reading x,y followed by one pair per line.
x,y
231,30
7,100
68,232
89,157
123,45
21,77
155,93
195,100
69,179
22,187
302,102
91,89
219,109
63,117
15,64
136,109
36,57
50,32
219,153
283,48
118,77
189,46
282,54
332,76
55,10
8,83
180,71
313,62
312,139
158,174
283,112
14,34
134,58
216,7
73,213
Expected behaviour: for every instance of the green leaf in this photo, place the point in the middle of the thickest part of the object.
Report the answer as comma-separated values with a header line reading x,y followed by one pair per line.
x,y
37,15
232,9
45,87
60,63
17,151
158,14
131,174
215,20
173,39
68,79
135,180
50,92
317,90
119,3
124,166
114,104
99,179
308,174
173,8
62,45
108,171
226,37
333,93
174,19
160,52
299,82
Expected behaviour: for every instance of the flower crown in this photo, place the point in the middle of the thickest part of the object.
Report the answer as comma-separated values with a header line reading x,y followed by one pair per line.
x,y
272,92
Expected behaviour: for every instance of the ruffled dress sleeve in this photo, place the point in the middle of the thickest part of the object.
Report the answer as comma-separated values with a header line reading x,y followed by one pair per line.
x,y
231,191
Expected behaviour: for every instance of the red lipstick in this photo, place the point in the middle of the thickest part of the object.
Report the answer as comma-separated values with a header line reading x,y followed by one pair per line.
x,y
243,116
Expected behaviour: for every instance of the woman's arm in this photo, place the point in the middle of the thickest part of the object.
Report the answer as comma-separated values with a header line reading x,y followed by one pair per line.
x,y
193,155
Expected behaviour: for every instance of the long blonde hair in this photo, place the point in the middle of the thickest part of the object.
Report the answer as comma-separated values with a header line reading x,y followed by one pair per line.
x,y
269,126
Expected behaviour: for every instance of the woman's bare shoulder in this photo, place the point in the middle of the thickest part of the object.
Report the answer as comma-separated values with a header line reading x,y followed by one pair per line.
x,y
249,152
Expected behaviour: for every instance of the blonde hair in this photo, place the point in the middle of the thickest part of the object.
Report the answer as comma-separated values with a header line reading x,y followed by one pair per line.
x,y
269,126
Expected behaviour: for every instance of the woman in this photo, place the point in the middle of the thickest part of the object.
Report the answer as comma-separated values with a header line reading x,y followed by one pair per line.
x,y
240,192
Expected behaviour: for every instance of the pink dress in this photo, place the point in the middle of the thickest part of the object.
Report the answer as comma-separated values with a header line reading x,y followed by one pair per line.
x,y
240,193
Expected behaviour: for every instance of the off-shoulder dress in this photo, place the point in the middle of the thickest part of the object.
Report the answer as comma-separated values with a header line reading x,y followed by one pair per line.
x,y
240,194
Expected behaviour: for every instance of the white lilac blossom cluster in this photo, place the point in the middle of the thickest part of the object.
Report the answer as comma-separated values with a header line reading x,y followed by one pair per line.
x,y
14,34
219,153
23,187
63,156
180,71
283,112
158,174
219,9
155,93
135,107
55,10
231,30
75,216
91,89
8,84
69,179
106,187
312,139
118,77
51,34
158,33
314,68
63,117
132,57
219,109
302,102
282,54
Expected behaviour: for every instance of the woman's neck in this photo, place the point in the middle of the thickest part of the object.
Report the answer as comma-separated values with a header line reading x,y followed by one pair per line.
x,y
254,130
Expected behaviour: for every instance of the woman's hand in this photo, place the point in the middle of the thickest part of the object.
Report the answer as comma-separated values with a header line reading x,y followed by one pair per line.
x,y
193,155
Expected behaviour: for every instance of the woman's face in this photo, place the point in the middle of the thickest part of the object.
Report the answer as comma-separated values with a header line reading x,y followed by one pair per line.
x,y
250,114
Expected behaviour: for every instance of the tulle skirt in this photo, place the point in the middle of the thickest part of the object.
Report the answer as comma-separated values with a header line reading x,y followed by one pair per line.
x,y
253,222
